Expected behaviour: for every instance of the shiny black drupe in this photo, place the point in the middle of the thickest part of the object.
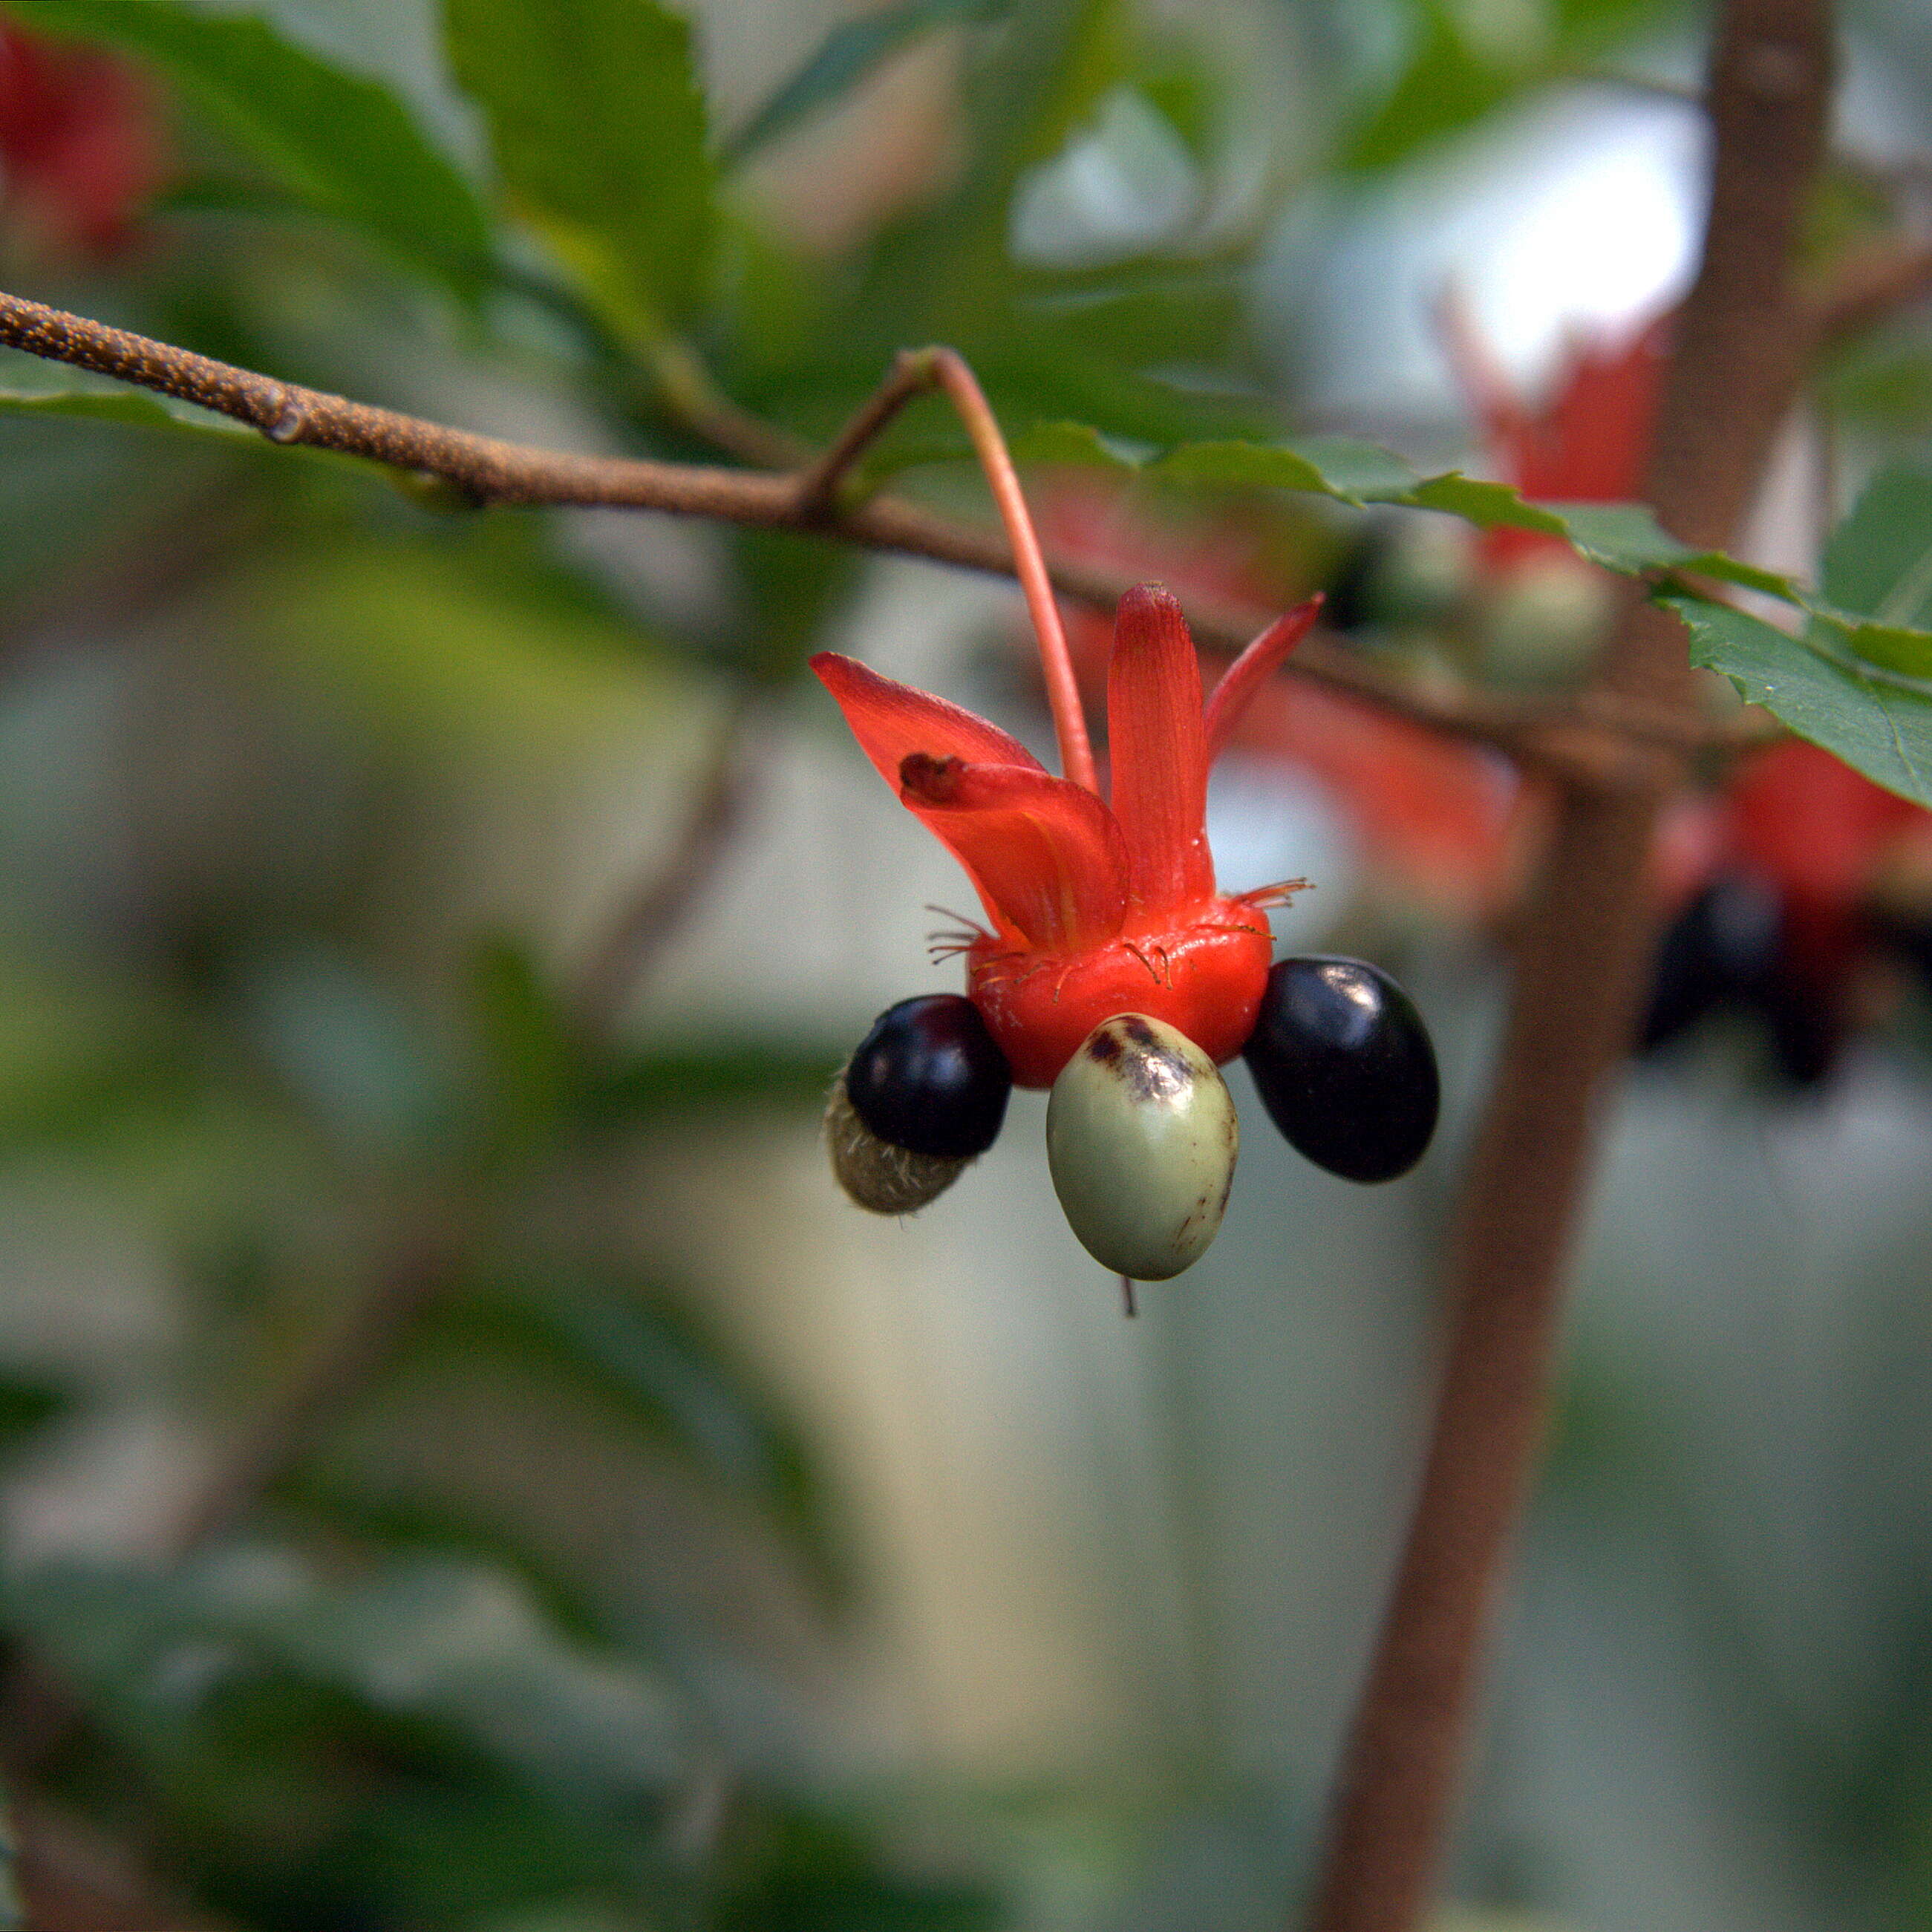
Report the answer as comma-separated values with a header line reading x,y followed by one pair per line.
x,y
930,1078
1344,1067
1728,950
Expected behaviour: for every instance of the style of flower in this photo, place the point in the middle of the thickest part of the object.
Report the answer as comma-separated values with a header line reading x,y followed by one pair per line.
x,y
1095,907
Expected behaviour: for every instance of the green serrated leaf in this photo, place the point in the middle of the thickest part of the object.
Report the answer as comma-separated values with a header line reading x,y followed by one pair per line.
x,y
851,51
1623,537
672,1382
1882,728
27,1406
323,1499
820,1874
661,1084
1467,58
597,123
419,640
789,586
1446,85
1893,646
12,1918
1077,446
341,143
947,274
532,1062
1248,466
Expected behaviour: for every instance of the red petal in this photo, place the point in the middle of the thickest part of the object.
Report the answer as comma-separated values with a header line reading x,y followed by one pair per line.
x,y
1815,827
891,720
1044,852
1158,750
1252,669
1506,423
1593,440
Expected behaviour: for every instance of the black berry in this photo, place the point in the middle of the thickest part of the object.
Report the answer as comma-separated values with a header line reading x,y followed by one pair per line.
x,y
1729,949
930,1078
1720,950
1344,1067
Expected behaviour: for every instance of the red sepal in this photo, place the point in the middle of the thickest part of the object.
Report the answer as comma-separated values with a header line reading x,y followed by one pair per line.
x,y
891,720
1205,977
1236,688
1158,750
1044,852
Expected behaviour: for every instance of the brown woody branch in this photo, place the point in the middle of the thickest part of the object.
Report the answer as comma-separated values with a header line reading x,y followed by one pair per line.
x,y
1557,735
1586,941
1870,286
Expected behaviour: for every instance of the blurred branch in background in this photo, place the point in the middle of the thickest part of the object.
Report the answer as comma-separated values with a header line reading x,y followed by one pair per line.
x,y
1551,734
650,915
72,1880
1742,343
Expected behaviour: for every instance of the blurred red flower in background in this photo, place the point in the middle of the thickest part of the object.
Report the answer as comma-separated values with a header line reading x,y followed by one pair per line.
x,y
1808,877
1785,886
1536,610
1588,442
81,145
1434,816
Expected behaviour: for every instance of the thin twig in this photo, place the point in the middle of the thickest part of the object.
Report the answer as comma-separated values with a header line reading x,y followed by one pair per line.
x,y
1542,733
72,1879
1869,287
1587,939
341,1366
819,482
650,916
647,920
685,389
915,371
38,1710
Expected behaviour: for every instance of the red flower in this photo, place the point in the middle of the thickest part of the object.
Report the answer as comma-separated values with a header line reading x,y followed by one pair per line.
x,y
1097,907
1840,867
1436,817
1588,443
79,142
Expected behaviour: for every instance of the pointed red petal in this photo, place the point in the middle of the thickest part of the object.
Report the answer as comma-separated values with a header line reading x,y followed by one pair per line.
x,y
1158,750
1507,424
891,720
1252,669
1594,436
1045,852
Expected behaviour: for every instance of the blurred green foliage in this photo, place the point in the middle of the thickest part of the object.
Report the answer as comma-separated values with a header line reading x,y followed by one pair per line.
x,y
245,1008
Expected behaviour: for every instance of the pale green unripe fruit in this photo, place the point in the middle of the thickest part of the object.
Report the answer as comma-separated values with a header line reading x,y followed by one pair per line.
x,y
1141,1140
